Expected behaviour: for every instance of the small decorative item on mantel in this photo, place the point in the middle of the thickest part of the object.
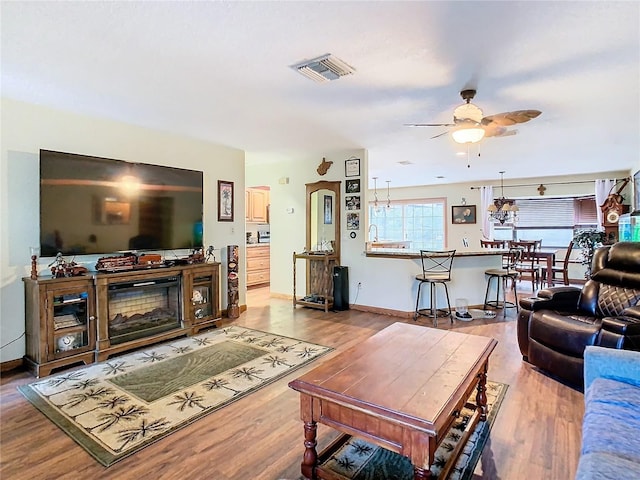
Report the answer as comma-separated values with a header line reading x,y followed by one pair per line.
x,y
35,253
61,268
211,255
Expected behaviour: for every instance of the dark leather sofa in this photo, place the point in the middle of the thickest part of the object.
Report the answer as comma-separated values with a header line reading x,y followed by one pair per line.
x,y
555,327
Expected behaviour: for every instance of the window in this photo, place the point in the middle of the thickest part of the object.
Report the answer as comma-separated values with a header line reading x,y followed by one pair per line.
x,y
422,222
554,220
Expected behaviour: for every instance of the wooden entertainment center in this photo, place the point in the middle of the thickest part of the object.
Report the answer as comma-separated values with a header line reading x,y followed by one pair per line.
x,y
81,319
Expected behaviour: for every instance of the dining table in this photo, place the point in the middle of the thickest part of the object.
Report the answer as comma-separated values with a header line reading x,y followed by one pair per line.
x,y
546,257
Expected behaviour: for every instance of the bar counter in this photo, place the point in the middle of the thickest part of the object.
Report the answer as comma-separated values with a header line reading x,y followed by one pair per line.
x,y
399,266
407,253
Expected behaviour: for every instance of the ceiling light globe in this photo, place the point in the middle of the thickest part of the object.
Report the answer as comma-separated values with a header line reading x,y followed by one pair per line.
x,y
468,135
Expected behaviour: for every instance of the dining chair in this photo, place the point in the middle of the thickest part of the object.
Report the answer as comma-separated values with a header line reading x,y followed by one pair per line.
x,y
492,243
562,269
528,266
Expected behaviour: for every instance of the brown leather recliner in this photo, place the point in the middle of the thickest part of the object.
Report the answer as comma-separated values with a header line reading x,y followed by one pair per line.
x,y
555,327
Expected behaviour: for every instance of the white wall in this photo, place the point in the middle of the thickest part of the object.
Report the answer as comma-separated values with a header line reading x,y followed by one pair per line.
x,y
378,287
288,230
27,128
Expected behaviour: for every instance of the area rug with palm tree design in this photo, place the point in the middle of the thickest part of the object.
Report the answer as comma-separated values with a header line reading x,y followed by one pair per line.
x,y
360,460
115,408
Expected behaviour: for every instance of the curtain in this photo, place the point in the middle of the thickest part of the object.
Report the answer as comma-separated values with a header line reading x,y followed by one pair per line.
x,y
486,199
603,188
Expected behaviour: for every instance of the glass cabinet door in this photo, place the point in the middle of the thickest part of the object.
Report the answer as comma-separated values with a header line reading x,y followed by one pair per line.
x,y
201,298
71,319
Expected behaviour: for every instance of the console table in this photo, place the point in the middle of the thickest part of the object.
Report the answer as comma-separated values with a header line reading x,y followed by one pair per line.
x,y
319,291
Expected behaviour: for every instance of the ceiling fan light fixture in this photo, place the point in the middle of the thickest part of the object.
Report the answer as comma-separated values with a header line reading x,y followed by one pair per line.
x,y
468,135
468,111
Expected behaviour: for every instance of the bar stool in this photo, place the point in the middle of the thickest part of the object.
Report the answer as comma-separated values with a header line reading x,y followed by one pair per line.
x,y
501,276
436,270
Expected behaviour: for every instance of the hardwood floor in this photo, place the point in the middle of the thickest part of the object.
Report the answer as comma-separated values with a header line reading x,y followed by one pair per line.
x,y
536,434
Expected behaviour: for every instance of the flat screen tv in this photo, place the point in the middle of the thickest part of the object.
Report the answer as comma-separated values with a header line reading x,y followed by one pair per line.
x,y
92,205
636,192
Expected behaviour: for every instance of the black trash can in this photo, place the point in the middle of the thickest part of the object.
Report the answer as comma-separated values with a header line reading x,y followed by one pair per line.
x,y
340,288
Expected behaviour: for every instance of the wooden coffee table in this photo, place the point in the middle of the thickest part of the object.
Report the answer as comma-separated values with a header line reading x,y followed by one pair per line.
x,y
401,389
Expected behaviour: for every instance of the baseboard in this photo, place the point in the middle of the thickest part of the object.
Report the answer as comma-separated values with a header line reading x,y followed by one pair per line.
x,y
397,313
282,296
382,311
225,313
16,364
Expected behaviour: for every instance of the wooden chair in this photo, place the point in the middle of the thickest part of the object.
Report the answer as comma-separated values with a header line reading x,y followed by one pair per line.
x,y
528,266
562,269
492,243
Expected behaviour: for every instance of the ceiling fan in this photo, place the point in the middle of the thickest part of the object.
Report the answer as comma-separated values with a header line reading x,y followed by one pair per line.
x,y
471,127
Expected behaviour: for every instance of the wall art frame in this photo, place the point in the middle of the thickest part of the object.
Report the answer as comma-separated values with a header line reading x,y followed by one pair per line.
x,y
352,202
463,214
328,209
352,167
225,201
352,186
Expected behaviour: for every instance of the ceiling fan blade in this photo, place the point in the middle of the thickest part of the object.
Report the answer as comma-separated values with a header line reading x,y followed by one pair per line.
x,y
429,125
439,135
493,130
506,119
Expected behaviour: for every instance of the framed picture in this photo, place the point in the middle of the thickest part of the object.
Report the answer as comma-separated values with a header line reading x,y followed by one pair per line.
x,y
463,214
352,186
352,202
353,221
328,209
352,167
225,201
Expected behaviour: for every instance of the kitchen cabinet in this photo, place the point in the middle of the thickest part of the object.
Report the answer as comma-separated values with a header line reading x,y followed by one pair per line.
x,y
258,265
257,205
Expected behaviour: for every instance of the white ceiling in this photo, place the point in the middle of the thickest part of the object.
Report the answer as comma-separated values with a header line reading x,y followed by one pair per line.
x,y
219,71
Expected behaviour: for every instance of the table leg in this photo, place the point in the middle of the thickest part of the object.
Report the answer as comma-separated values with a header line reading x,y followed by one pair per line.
x,y
310,457
550,260
481,396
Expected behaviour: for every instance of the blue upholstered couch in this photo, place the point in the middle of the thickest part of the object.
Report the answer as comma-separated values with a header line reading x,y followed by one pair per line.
x,y
611,425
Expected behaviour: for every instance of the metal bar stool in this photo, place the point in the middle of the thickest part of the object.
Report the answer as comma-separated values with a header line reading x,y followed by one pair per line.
x,y
502,276
436,270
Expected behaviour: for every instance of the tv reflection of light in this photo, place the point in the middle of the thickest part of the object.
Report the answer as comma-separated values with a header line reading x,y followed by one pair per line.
x,y
129,184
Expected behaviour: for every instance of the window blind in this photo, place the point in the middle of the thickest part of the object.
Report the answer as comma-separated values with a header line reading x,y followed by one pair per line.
x,y
547,212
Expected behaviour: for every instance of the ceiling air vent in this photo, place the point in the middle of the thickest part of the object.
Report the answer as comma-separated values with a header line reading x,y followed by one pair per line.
x,y
324,68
